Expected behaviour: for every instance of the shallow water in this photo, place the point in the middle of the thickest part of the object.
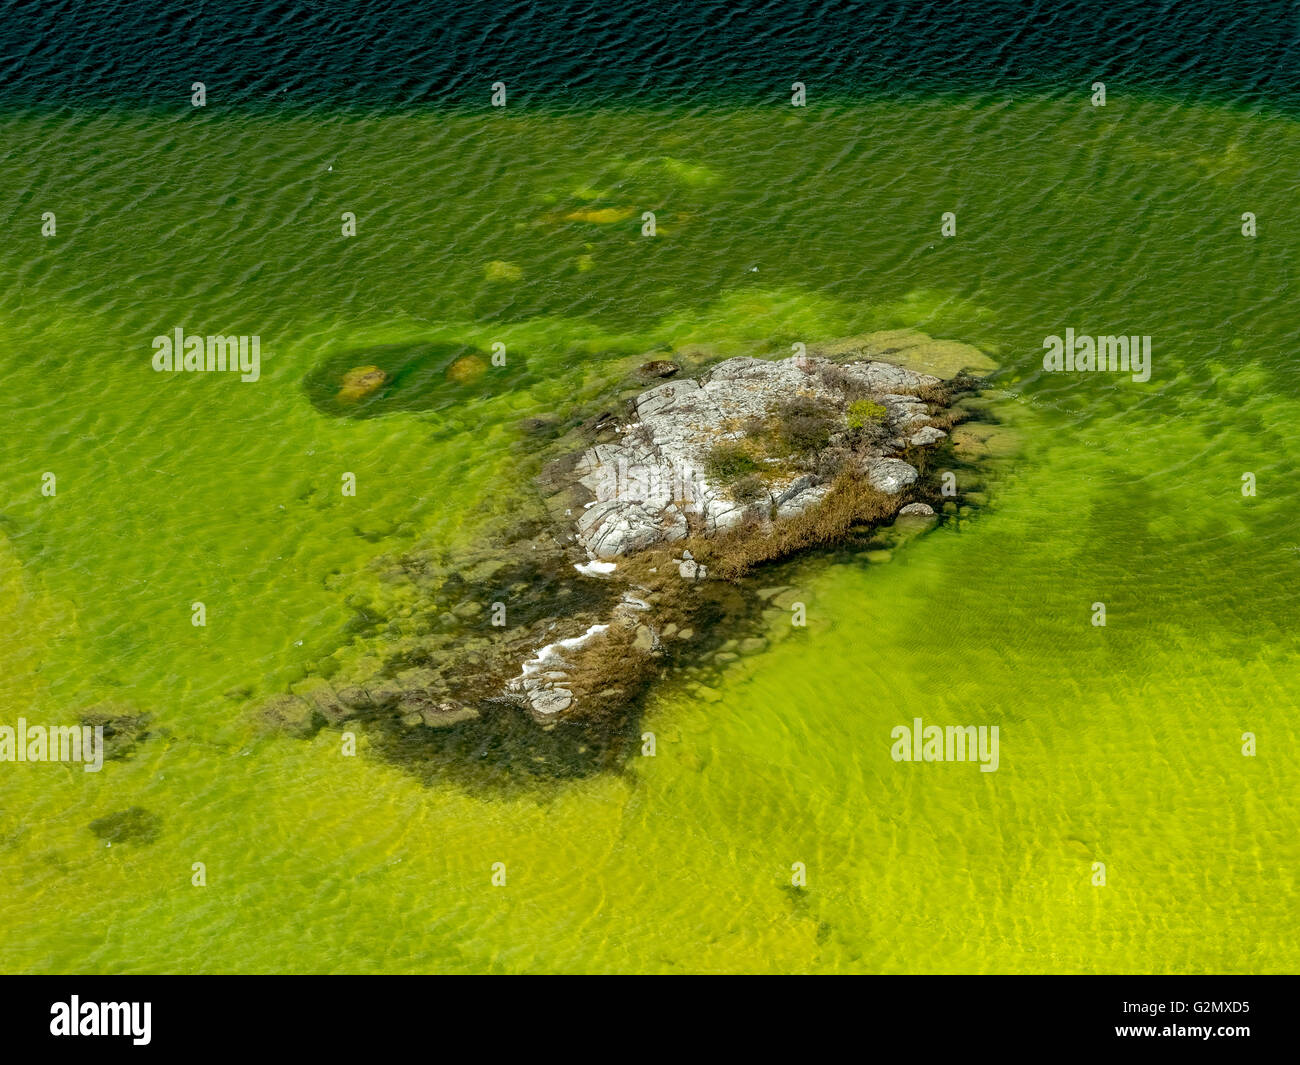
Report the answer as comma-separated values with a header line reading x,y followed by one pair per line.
x,y
1119,745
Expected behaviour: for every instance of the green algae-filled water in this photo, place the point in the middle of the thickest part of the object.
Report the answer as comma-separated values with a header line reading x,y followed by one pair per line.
x,y
1120,745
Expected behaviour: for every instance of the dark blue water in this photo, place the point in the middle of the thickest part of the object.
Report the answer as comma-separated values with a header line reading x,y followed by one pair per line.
x,y
375,53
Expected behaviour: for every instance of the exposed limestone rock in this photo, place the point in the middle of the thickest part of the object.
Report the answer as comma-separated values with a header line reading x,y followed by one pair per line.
x,y
891,476
691,570
658,481
926,436
650,484
618,527
804,499
543,677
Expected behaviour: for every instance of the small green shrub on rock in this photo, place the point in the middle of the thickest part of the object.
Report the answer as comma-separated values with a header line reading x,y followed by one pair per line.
x,y
863,412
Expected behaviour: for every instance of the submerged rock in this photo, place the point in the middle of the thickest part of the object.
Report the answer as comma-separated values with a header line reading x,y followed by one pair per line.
x,y
133,825
446,714
467,369
981,440
123,732
288,713
501,270
361,382
601,215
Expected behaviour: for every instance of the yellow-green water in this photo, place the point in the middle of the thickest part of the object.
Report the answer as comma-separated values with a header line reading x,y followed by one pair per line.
x,y
1119,745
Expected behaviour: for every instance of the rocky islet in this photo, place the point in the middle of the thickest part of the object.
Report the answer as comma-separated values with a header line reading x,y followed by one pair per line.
x,y
652,526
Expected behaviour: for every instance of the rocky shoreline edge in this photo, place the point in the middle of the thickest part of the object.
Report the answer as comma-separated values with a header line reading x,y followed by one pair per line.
x,y
643,551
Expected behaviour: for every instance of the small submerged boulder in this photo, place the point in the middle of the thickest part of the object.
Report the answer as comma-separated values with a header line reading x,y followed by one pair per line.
x,y
466,370
501,270
446,714
536,426
981,440
124,730
658,368
600,215
289,713
361,382
549,701
132,825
